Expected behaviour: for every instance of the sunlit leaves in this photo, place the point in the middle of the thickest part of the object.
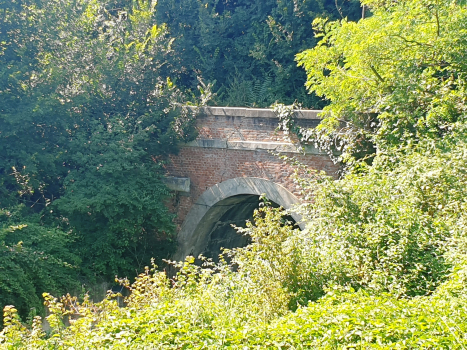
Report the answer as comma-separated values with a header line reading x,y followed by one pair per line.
x,y
396,75
86,104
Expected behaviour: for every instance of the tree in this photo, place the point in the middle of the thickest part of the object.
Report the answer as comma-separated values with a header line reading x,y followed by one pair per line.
x,y
390,78
247,47
88,116
34,259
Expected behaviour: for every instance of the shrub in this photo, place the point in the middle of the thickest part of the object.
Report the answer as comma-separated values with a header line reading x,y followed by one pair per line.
x,y
387,227
33,259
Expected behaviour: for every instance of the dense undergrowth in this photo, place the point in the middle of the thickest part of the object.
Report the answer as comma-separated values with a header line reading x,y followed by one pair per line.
x,y
381,264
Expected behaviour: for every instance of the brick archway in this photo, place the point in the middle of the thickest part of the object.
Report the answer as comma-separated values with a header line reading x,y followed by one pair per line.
x,y
232,144
193,237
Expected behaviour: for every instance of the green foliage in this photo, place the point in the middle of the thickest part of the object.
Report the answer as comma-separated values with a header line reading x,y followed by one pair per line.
x,y
112,202
381,262
276,261
390,78
390,226
88,116
33,259
247,47
341,319
216,307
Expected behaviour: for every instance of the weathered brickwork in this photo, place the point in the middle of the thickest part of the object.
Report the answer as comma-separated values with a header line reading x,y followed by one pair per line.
x,y
244,128
211,165
208,166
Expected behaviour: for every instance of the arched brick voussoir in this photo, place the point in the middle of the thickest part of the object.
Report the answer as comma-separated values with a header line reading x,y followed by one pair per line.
x,y
190,243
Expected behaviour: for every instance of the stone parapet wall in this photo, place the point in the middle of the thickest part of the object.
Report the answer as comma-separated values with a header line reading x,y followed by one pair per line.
x,y
307,114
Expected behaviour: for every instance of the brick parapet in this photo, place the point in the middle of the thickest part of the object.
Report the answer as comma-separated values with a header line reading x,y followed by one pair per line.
x,y
245,127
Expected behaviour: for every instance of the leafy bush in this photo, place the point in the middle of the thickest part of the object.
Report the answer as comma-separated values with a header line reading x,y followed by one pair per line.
x,y
388,227
390,78
201,311
34,259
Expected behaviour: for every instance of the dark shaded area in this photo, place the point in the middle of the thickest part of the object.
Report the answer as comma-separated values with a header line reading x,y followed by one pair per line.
x,y
217,224
246,48
236,211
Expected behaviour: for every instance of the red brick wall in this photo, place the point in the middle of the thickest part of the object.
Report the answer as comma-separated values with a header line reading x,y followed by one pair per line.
x,y
243,128
207,167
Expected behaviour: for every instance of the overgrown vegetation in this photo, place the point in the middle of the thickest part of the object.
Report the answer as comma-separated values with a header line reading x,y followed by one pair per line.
x,y
88,115
91,96
382,262
336,284
34,259
391,78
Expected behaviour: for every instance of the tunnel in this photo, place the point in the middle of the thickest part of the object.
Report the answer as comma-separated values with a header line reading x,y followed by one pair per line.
x,y
217,224
208,226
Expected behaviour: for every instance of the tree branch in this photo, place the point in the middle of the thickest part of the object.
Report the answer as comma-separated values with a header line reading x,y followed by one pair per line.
x,y
411,41
437,22
380,78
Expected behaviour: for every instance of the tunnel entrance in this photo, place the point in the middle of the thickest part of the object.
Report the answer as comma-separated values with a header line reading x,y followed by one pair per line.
x,y
218,223
207,227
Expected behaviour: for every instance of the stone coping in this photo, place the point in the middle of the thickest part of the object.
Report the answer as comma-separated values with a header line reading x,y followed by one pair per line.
x,y
254,146
256,112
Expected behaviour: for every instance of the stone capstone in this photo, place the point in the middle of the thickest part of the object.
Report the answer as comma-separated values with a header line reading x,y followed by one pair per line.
x,y
179,184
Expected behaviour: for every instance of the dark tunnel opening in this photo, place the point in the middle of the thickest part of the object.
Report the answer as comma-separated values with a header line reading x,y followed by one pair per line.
x,y
216,225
